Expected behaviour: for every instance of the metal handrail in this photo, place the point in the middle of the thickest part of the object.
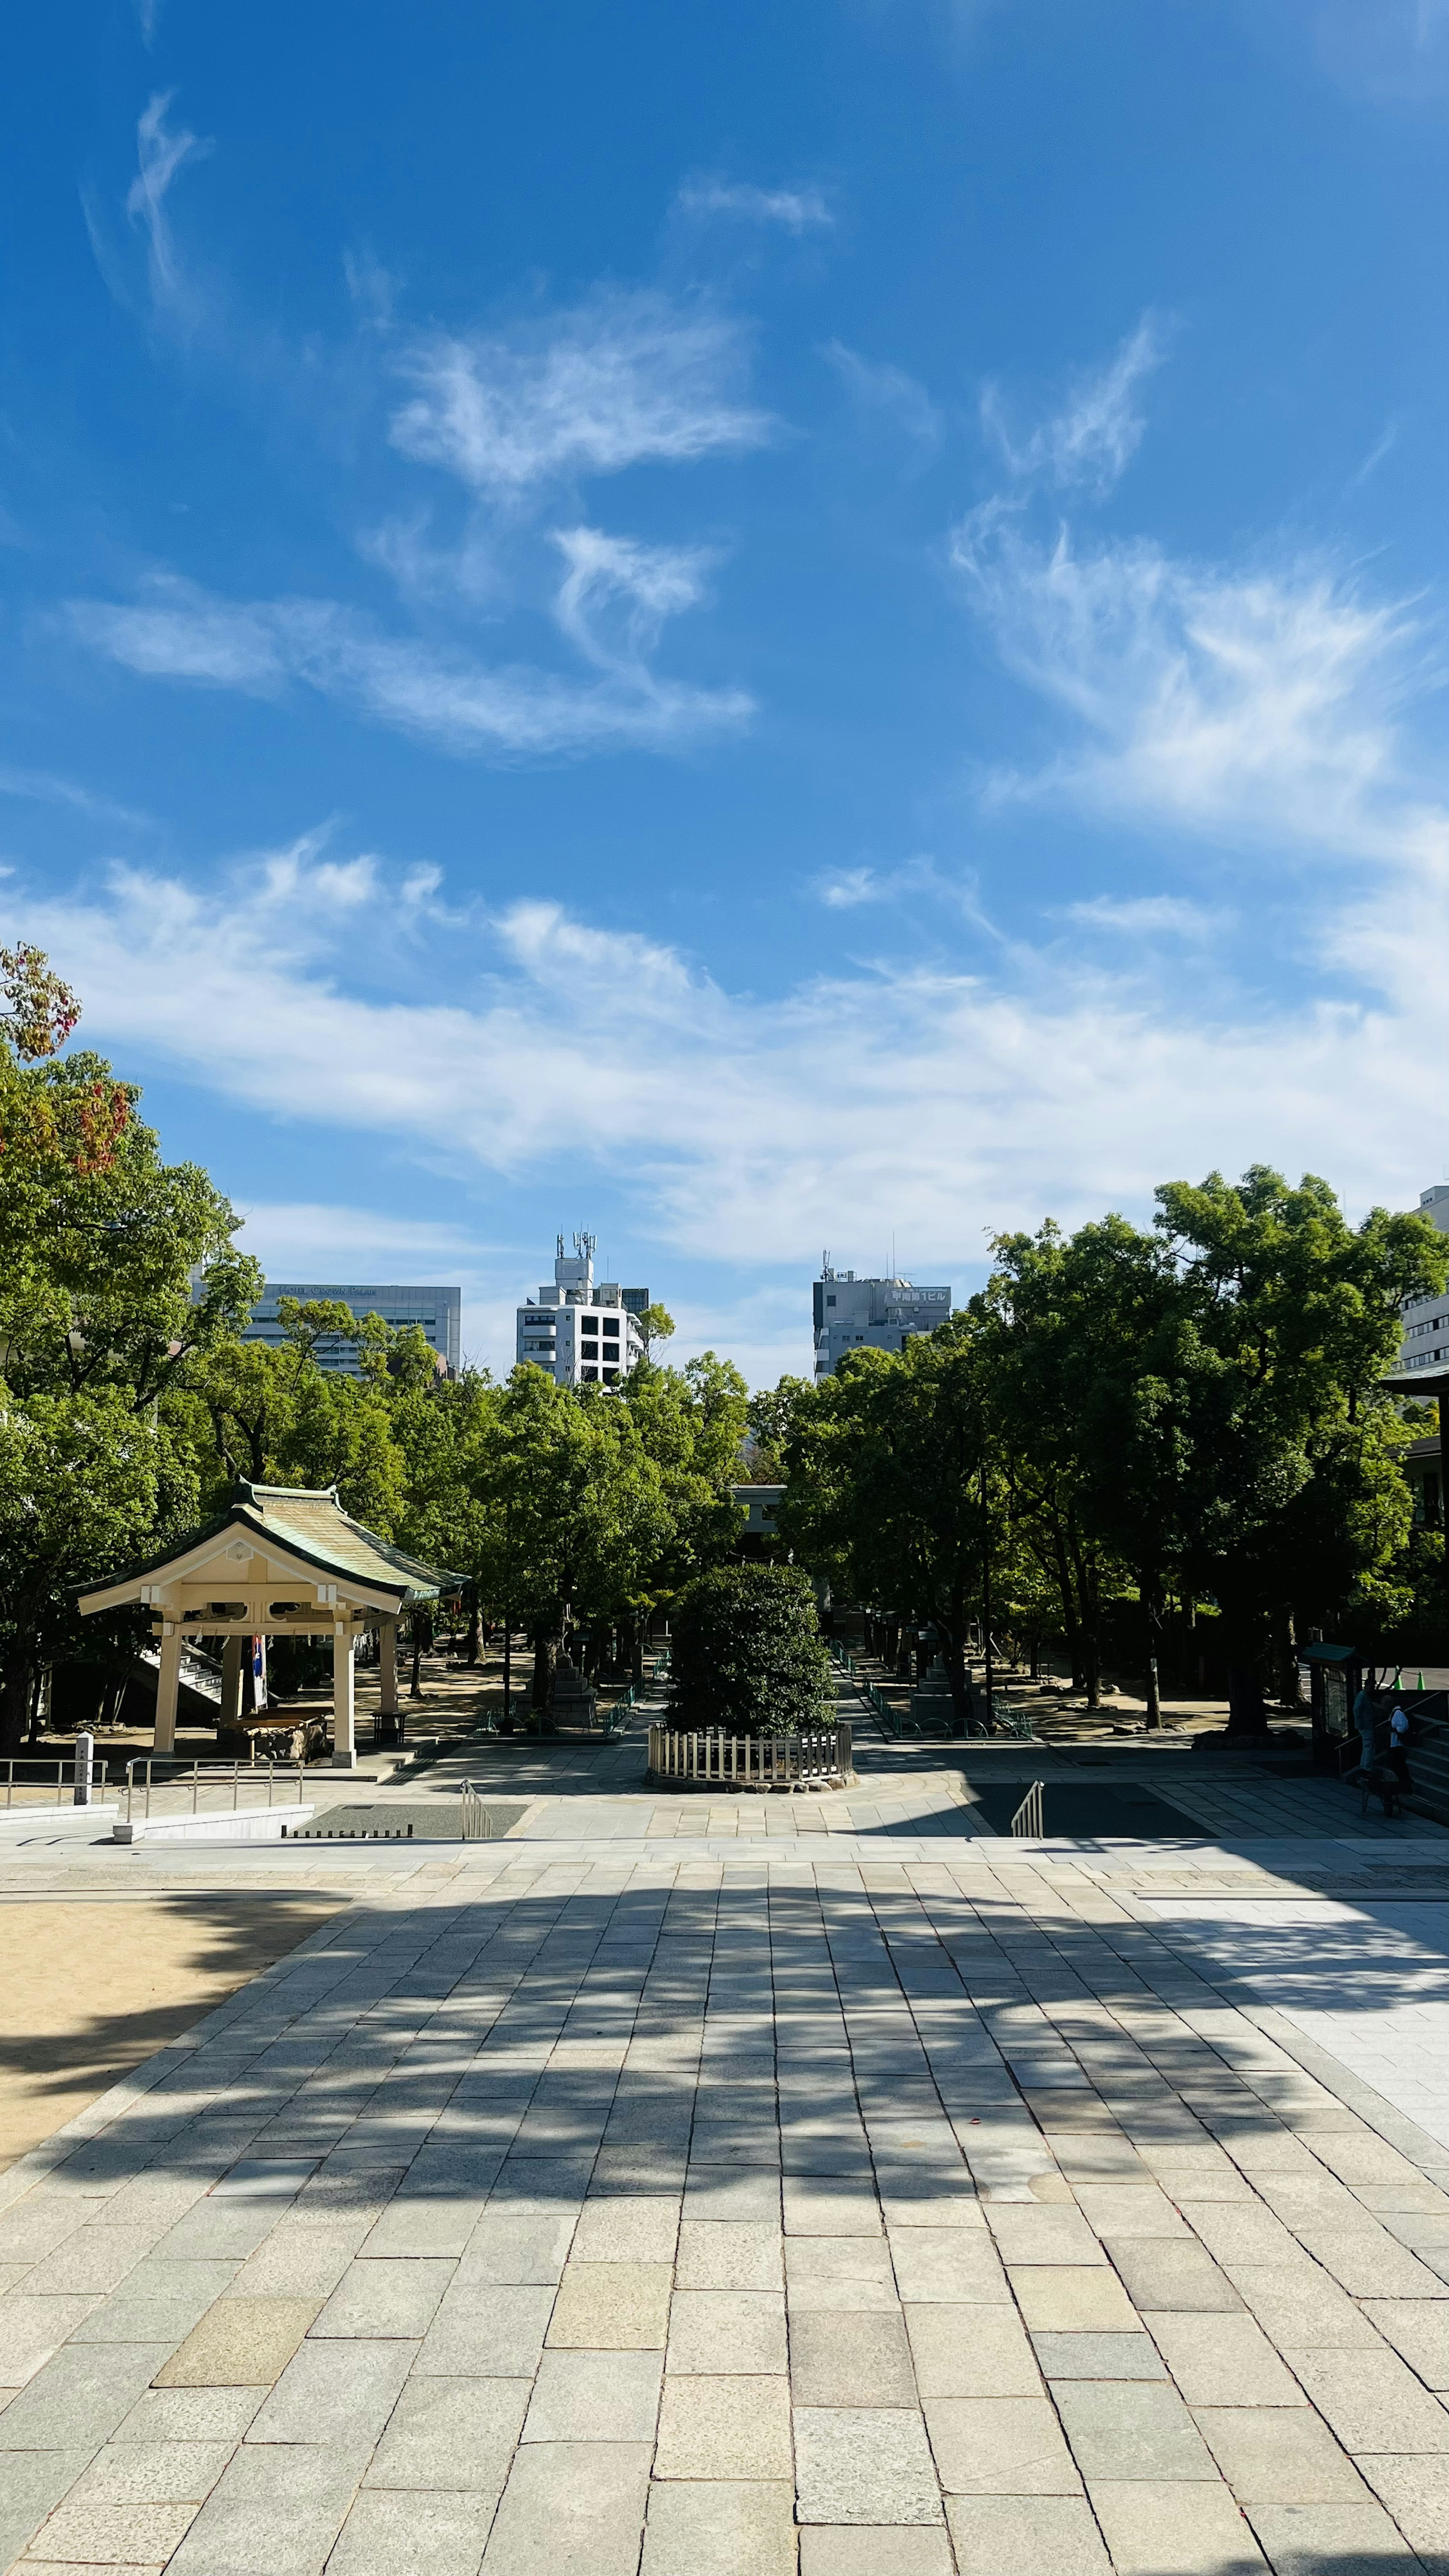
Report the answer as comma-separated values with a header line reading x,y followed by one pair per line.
x,y
1028,1821
477,1822
44,1766
211,1771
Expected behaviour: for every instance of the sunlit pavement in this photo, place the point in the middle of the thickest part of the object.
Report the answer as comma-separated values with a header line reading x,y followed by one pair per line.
x,y
846,2187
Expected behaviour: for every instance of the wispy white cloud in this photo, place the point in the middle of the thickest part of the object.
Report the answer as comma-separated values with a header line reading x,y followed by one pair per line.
x,y
626,379
1089,443
161,152
1148,916
1388,52
616,594
1383,446
1255,705
740,1127
798,209
888,397
292,1238
848,888
446,697
43,787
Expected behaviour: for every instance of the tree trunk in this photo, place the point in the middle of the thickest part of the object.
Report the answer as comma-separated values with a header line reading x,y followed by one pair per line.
x,y
545,1657
15,1697
1246,1713
1070,1619
1148,1593
956,1668
475,1625
1285,1659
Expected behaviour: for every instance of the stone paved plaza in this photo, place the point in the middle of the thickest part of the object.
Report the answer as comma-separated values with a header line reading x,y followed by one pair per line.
x,y
878,2201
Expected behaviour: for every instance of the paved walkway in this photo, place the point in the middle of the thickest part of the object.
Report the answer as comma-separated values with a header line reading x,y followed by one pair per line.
x,y
861,2203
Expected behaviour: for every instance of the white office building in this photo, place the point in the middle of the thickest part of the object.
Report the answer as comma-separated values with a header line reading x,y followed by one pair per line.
x,y
870,1314
1426,1319
584,1332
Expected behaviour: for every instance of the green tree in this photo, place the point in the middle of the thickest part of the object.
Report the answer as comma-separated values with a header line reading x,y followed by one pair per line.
x,y
570,1509
1083,1350
892,1492
1298,1316
117,1273
656,1324
86,1485
769,1415
746,1656
689,1423
277,1416
1200,1408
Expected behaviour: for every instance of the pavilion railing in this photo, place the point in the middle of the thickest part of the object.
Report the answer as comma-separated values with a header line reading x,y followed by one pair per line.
x,y
821,1759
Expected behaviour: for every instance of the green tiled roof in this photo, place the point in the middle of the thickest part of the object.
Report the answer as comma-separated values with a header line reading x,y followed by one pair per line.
x,y
313,1525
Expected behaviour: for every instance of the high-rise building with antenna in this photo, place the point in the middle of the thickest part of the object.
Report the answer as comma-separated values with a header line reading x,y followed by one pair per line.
x,y
585,1333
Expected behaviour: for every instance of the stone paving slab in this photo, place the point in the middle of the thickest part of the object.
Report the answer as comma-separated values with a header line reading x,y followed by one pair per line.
x,y
596,2206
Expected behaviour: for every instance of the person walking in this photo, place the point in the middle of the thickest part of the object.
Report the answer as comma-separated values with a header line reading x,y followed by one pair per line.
x,y
1399,1747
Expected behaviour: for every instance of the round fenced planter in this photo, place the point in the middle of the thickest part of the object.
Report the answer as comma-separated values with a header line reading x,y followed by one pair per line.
x,y
707,1758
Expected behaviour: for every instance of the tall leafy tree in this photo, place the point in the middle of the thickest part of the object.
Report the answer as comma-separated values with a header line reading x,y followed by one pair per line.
x,y
892,1488
1292,1499
116,1273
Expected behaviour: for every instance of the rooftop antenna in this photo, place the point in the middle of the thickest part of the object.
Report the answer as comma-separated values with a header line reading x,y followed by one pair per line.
x,y
893,1252
559,1241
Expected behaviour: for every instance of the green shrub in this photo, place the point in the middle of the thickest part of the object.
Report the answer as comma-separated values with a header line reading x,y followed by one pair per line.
x,y
745,1653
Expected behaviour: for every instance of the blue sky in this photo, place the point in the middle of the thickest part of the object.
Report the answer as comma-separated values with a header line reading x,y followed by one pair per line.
x,y
756,629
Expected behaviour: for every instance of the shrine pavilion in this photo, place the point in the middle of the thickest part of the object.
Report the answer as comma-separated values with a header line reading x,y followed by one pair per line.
x,y
282,1560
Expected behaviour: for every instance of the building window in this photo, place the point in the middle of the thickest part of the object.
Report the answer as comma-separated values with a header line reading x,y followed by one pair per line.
x,y
591,1374
609,1376
830,1301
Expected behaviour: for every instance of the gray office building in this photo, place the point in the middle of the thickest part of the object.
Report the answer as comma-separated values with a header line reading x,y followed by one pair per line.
x,y
870,1314
1426,1319
439,1311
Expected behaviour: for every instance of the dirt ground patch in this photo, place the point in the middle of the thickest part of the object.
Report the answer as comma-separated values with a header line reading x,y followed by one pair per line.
x,y
92,1989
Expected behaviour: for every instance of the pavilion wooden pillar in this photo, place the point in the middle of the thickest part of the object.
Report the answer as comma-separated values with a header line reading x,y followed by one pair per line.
x,y
387,1668
231,1671
344,1742
168,1680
